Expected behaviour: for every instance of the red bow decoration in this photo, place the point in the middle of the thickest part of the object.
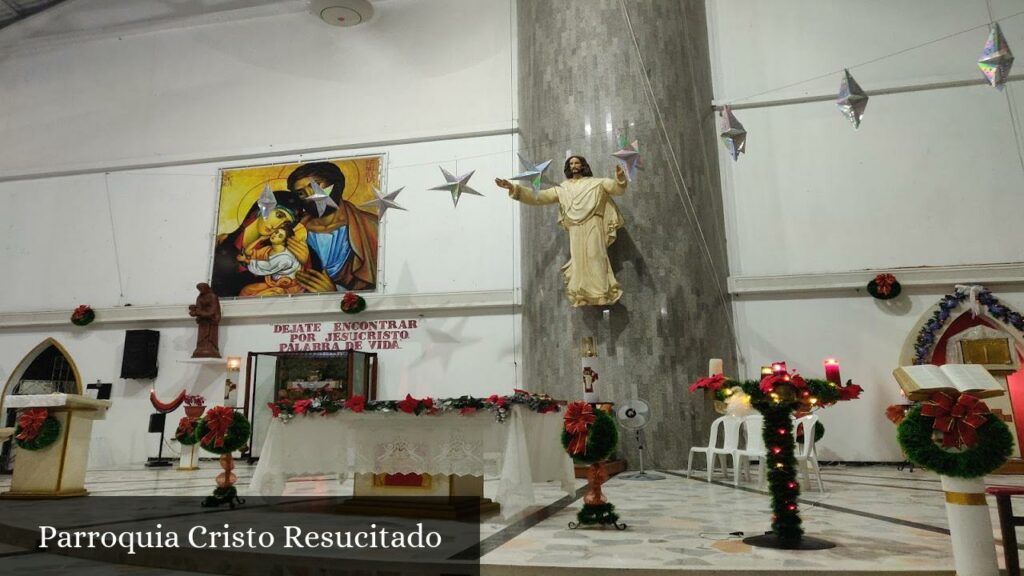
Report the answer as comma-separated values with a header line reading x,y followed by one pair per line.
x,y
81,312
884,283
957,419
31,423
218,420
185,426
578,418
711,383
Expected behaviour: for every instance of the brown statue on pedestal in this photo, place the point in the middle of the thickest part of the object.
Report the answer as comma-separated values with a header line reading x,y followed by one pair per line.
x,y
206,311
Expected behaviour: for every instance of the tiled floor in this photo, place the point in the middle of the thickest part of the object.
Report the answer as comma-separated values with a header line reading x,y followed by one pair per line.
x,y
884,521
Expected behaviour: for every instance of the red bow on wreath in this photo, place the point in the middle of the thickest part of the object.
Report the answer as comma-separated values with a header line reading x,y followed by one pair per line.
x,y
185,426
884,283
31,423
578,418
218,420
957,419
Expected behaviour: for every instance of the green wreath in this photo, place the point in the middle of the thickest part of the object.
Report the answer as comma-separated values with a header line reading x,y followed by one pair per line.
x,y
236,437
186,439
48,434
602,439
993,448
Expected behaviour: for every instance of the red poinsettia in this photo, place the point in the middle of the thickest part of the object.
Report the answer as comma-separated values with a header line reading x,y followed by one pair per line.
x,y
498,401
81,312
409,405
885,283
275,410
896,413
356,403
850,392
428,405
302,405
711,383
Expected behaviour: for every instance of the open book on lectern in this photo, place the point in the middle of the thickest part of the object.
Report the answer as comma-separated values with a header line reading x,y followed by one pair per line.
x,y
919,382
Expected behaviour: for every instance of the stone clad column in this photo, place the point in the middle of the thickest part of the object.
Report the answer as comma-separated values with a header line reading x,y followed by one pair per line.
x,y
579,72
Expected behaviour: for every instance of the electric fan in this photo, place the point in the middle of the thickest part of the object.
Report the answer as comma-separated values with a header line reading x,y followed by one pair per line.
x,y
635,415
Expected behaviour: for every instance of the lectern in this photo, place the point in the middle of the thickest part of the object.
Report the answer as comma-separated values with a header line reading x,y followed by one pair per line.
x,y
57,471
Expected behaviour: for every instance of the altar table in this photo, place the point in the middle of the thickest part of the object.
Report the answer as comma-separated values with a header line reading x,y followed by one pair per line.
x,y
524,449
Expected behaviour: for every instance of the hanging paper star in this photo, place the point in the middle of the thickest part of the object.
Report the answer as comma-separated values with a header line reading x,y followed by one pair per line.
x,y
457,185
533,173
996,59
733,134
384,202
630,157
267,202
852,100
322,197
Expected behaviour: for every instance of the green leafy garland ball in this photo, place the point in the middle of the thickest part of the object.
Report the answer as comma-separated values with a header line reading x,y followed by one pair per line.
x,y
187,439
602,439
236,437
993,448
47,435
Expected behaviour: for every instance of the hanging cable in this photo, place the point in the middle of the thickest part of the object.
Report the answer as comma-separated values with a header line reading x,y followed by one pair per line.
x,y
113,238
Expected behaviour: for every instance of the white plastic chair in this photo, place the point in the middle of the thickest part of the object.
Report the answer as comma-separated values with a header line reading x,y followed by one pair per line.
x,y
754,448
807,455
730,431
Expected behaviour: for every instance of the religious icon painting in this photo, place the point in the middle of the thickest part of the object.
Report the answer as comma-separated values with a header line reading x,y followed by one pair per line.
x,y
296,228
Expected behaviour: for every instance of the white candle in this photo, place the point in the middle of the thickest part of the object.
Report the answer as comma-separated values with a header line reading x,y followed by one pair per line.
x,y
714,366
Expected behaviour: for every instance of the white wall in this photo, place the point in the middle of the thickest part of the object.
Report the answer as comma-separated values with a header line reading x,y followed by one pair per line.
x,y
930,179
203,98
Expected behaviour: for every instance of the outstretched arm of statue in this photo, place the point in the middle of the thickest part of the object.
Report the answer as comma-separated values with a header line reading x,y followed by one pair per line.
x,y
617,186
526,195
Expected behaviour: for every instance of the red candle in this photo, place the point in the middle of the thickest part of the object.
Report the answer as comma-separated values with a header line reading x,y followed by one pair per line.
x,y
778,368
832,371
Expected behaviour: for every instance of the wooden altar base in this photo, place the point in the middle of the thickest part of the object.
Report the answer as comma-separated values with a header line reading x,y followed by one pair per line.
x,y
435,508
612,466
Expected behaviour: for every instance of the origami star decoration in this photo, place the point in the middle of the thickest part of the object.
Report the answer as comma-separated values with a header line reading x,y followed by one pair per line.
x,y
457,185
533,173
852,100
733,135
384,202
322,197
630,157
267,202
996,59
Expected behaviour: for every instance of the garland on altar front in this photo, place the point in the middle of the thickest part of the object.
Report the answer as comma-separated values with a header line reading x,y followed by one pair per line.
x,y
323,402
36,429
988,446
222,430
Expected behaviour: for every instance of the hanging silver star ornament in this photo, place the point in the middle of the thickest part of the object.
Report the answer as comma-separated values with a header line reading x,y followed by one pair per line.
x,y
852,100
533,173
996,59
733,135
457,185
322,197
267,202
383,202
630,158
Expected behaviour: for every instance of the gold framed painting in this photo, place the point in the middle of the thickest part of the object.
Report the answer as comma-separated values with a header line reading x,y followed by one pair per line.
x,y
295,228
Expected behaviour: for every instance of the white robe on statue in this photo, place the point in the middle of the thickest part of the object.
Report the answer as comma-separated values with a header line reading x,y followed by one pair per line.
x,y
588,212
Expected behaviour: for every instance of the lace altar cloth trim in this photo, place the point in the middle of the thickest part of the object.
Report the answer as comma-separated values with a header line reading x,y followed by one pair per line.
x,y
525,449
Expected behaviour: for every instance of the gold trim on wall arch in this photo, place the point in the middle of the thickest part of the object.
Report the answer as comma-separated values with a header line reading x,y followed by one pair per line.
x,y
27,360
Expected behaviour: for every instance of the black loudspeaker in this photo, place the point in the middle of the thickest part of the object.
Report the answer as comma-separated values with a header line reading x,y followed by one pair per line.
x,y
156,422
140,348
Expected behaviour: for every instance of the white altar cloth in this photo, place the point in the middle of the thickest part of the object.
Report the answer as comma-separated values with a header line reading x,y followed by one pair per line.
x,y
526,448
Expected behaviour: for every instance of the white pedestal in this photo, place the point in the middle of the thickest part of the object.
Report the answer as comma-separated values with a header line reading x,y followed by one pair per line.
x,y
970,527
57,471
189,459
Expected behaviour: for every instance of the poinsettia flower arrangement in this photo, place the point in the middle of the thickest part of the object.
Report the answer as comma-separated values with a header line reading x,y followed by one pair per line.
x,y
323,403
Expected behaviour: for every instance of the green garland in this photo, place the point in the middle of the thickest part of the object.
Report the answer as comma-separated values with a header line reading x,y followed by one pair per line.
x,y
236,437
186,439
782,472
48,434
601,440
602,514
993,448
